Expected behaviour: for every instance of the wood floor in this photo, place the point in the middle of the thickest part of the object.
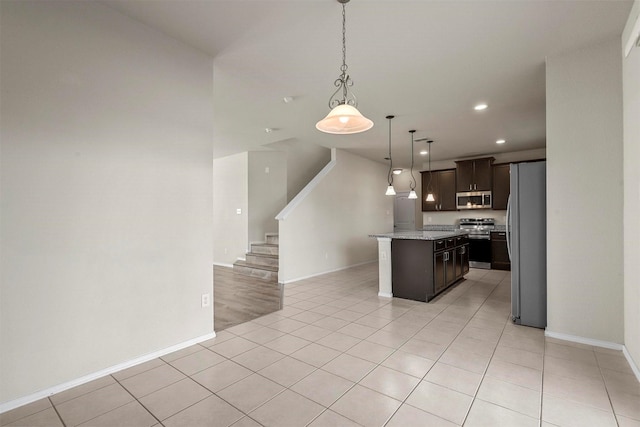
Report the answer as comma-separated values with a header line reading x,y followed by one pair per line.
x,y
238,299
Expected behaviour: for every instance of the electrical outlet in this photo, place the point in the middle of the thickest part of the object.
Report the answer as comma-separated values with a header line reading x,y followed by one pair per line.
x,y
429,219
239,211
383,255
206,300
266,170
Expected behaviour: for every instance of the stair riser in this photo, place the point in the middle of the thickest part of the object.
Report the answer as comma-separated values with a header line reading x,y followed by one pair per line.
x,y
261,260
266,250
272,240
253,272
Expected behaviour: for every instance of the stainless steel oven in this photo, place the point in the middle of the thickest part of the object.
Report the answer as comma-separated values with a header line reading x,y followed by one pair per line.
x,y
479,230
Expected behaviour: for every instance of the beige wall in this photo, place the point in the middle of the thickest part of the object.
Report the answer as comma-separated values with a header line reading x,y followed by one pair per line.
x,y
329,229
267,192
230,193
106,233
585,193
631,86
304,161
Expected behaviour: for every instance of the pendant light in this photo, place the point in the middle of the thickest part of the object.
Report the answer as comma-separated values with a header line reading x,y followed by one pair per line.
x,y
344,118
390,190
430,197
412,183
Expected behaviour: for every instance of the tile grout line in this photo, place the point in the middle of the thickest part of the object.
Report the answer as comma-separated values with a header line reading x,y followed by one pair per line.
x,y
136,400
56,410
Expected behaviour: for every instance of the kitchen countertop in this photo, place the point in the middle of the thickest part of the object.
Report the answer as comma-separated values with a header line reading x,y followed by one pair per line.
x,y
421,235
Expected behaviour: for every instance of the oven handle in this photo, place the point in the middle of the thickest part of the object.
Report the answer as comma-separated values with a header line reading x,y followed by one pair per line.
x,y
482,237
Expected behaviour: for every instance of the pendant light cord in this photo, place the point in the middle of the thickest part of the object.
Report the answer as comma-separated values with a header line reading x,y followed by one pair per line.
x,y
413,182
390,174
344,78
429,186
344,40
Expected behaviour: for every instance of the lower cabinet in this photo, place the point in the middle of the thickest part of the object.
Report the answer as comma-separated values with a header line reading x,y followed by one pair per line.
x,y
499,252
462,260
421,269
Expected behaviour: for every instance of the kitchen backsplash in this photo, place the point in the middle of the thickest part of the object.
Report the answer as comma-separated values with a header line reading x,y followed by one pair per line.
x,y
453,217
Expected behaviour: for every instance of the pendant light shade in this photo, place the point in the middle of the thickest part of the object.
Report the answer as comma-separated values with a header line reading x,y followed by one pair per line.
x,y
343,120
344,117
412,195
430,198
390,190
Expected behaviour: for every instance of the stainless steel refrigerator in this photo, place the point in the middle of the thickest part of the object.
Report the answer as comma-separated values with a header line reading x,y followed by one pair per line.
x,y
527,243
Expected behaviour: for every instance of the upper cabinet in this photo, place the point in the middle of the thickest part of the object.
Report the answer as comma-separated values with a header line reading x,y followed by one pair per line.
x,y
474,175
501,186
443,185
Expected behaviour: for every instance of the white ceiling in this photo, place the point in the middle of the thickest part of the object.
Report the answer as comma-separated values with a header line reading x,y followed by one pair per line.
x,y
426,62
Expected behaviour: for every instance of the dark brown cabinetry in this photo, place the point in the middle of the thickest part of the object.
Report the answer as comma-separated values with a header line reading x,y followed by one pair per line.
x,y
421,269
474,175
443,184
501,186
499,252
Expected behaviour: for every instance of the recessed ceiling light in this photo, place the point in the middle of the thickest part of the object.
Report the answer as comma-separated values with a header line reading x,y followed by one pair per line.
x,y
268,130
287,99
397,171
480,107
424,152
500,141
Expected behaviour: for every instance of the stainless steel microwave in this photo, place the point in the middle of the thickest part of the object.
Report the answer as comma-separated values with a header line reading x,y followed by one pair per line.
x,y
473,200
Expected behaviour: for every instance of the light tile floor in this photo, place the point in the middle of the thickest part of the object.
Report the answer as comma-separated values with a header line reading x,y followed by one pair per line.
x,y
338,355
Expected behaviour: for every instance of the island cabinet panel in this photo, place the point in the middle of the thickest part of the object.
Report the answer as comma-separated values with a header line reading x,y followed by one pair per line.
x,y
421,269
501,186
474,175
462,260
412,269
443,185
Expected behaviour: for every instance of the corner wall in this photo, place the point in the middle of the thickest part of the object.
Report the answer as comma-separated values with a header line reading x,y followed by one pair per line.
x,y
230,193
585,194
631,86
267,192
106,167
329,229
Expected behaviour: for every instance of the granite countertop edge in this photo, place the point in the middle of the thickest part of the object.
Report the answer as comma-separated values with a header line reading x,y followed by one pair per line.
x,y
421,235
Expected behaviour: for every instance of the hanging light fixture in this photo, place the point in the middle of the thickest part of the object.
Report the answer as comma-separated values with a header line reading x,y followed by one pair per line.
x,y
430,197
412,183
390,190
344,118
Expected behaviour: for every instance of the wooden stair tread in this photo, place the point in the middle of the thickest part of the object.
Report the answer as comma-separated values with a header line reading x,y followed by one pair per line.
x,y
255,266
258,254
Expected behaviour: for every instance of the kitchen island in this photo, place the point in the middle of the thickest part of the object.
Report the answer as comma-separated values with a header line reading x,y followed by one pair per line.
x,y
419,265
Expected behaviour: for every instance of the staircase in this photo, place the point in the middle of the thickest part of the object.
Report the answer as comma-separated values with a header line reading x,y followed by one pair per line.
x,y
262,260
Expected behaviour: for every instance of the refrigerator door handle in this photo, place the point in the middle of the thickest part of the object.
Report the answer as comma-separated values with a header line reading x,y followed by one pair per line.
x,y
508,226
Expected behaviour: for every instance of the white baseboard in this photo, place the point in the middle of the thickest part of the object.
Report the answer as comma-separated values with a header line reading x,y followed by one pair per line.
x,y
223,264
385,294
632,362
583,340
328,271
598,343
12,404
